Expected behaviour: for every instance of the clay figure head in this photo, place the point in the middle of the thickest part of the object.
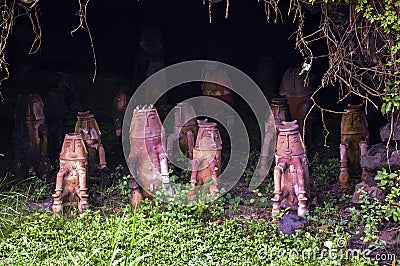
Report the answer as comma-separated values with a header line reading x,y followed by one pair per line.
x,y
208,137
289,141
184,115
353,121
280,110
73,148
145,123
35,108
87,126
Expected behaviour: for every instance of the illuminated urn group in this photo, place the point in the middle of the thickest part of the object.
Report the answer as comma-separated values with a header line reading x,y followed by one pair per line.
x,y
71,186
119,107
90,132
185,130
291,177
206,163
354,144
147,159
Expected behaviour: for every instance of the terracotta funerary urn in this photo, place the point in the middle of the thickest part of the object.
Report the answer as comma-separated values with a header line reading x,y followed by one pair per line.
x,y
354,144
291,177
206,163
147,160
71,178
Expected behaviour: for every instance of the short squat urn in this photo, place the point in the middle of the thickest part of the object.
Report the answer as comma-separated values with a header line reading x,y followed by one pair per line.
x,y
71,186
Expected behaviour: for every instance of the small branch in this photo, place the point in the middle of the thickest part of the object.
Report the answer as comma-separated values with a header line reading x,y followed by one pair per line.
x,y
82,13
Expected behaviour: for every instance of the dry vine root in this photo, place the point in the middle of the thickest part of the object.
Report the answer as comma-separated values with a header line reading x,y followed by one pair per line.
x,y
363,49
82,13
9,12
213,2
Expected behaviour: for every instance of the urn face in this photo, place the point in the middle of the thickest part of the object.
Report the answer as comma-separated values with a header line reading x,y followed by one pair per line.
x,y
289,141
35,109
353,121
73,148
87,126
208,137
145,123
184,115
280,110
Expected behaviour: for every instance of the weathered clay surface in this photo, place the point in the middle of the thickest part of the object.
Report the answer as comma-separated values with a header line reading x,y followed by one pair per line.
x,y
71,178
291,177
206,163
147,159
354,143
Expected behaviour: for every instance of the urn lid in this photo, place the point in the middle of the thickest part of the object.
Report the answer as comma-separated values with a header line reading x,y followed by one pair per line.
x,y
288,127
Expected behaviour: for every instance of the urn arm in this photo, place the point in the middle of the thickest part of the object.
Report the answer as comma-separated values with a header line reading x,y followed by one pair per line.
x,y
195,168
164,167
190,142
171,140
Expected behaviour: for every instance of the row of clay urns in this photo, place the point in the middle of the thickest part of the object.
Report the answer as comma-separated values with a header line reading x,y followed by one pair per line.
x,y
147,159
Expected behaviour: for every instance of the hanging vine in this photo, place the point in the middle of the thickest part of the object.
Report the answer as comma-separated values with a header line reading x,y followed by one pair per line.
x,y
210,2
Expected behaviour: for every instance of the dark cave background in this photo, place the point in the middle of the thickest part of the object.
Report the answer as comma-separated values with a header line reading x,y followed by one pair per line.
x,y
239,41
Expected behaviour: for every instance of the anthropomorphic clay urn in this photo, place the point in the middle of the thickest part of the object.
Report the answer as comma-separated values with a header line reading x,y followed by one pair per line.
x,y
37,134
88,128
71,178
354,144
185,130
291,177
147,160
206,163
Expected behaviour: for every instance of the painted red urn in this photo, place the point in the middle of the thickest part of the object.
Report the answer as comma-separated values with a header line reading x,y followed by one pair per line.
x,y
147,160
71,186
354,144
206,163
291,176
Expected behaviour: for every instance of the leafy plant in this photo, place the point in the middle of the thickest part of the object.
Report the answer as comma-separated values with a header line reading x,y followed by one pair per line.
x,y
390,183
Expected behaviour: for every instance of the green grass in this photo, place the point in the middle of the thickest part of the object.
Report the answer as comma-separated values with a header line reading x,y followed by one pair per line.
x,y
154,235
234,230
